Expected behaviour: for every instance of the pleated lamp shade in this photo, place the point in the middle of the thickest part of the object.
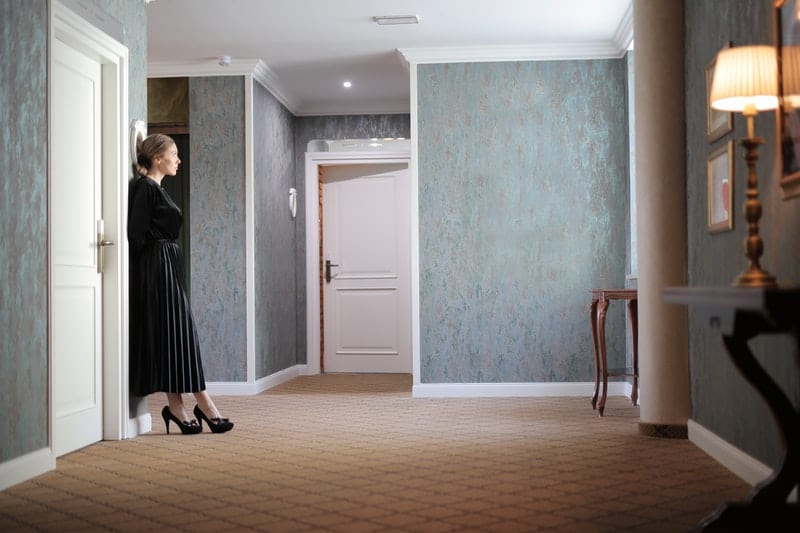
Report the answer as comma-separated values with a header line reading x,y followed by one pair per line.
x,y
745,78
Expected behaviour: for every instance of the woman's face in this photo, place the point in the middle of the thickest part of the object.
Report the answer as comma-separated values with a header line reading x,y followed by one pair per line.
x,y
167,162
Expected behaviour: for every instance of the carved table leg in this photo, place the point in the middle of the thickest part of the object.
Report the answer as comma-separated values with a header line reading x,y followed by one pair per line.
x,y
633,319
767,509
601,337
776,488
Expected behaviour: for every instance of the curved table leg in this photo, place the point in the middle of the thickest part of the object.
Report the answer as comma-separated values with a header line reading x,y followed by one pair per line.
x,y
593,320
776,488
601,335
633,320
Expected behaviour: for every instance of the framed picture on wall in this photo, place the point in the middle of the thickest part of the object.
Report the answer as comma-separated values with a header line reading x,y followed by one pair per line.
x,y
718,123
788,48
720,189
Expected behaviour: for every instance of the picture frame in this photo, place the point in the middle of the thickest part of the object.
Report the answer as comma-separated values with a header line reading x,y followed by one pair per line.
x,y
720,189
788,117
718,123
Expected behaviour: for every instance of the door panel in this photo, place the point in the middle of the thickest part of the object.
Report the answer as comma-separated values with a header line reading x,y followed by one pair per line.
x,y
367,303
76,285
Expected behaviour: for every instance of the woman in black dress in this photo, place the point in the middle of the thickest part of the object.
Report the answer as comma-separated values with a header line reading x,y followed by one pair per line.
x,y
165,350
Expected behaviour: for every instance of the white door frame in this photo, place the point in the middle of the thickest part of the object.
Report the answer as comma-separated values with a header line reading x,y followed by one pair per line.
x,y
314,160
77,33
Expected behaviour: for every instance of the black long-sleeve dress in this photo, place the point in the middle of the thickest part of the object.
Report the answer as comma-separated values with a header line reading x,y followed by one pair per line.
x,y
165,351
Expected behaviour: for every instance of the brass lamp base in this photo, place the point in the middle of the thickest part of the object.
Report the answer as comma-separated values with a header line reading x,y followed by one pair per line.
x,y
756,278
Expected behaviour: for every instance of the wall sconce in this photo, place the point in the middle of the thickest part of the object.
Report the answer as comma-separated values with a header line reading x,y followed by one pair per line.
x,y
746,81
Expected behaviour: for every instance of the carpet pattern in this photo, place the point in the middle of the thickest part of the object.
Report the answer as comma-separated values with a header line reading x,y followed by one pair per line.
x,y
356,453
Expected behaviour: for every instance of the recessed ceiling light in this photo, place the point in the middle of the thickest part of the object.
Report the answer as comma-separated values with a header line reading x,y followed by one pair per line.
x,y
385,20
347,84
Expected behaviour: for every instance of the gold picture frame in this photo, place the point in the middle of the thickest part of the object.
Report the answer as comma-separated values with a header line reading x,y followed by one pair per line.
x,y
720,189
787,28
718,123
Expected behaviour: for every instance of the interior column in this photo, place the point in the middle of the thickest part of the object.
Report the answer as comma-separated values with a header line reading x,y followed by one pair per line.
x,y
661,215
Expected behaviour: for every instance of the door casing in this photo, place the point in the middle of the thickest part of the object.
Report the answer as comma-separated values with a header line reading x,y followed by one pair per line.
x,y
314,160
78,33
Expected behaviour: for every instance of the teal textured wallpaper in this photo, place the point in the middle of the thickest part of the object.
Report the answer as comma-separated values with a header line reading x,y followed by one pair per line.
x,y
23,206
217,184
23,217
275,235
523,184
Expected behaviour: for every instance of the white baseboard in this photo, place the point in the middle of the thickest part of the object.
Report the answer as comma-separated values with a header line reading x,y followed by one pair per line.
x,y
26,467
242,388
139,425
488,390
746,467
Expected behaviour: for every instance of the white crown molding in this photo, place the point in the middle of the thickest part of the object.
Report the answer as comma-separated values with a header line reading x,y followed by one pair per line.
x,y
176,69
238,67
382,107
269,80
543,52
623,37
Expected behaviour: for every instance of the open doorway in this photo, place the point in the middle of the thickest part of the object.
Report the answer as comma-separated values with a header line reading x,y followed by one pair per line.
x,y
315,266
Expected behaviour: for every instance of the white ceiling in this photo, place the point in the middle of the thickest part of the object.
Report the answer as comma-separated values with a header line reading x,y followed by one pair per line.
x,y
307,48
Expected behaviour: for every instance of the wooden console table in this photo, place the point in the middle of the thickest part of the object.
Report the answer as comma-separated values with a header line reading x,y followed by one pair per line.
x,y
742,313
597,316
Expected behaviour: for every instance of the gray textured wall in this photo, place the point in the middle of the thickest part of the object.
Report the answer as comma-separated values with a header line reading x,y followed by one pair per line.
x,y
23,217
23,207
721,399
275,281
216,111
329,127
522,192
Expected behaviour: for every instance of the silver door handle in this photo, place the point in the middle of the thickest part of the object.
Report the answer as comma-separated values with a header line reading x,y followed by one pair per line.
x,y
101,243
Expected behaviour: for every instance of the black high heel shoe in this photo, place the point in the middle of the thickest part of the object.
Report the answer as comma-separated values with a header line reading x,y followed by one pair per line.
x,y
187,427
216,425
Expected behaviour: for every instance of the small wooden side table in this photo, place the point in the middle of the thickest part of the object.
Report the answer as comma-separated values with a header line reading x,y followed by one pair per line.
x,y
597,316
740,314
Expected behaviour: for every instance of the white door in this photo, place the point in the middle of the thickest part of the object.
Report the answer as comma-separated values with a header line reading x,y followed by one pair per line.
x,y
367,301
76,283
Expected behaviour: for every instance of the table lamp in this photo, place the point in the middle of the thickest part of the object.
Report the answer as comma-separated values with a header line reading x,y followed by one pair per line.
x,y
746,81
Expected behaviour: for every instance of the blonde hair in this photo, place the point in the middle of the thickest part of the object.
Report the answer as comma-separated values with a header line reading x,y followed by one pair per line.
x,y
149,148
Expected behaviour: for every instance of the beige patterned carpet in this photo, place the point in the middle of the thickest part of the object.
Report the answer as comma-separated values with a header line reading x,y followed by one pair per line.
x,y
355,453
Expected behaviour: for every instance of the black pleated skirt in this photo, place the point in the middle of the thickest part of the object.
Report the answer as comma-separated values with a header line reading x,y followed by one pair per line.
x,y
165,350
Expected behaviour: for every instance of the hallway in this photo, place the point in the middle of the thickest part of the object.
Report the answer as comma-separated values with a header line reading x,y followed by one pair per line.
x,y
356,453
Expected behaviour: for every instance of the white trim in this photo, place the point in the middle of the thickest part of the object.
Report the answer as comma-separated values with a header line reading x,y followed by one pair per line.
x,y
743,465
179,69
267,78
249,231
535,52
26,467
313,162
361,107
78,33
623,36
738,462
230,388
256,68
505,390
140,425
414,221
